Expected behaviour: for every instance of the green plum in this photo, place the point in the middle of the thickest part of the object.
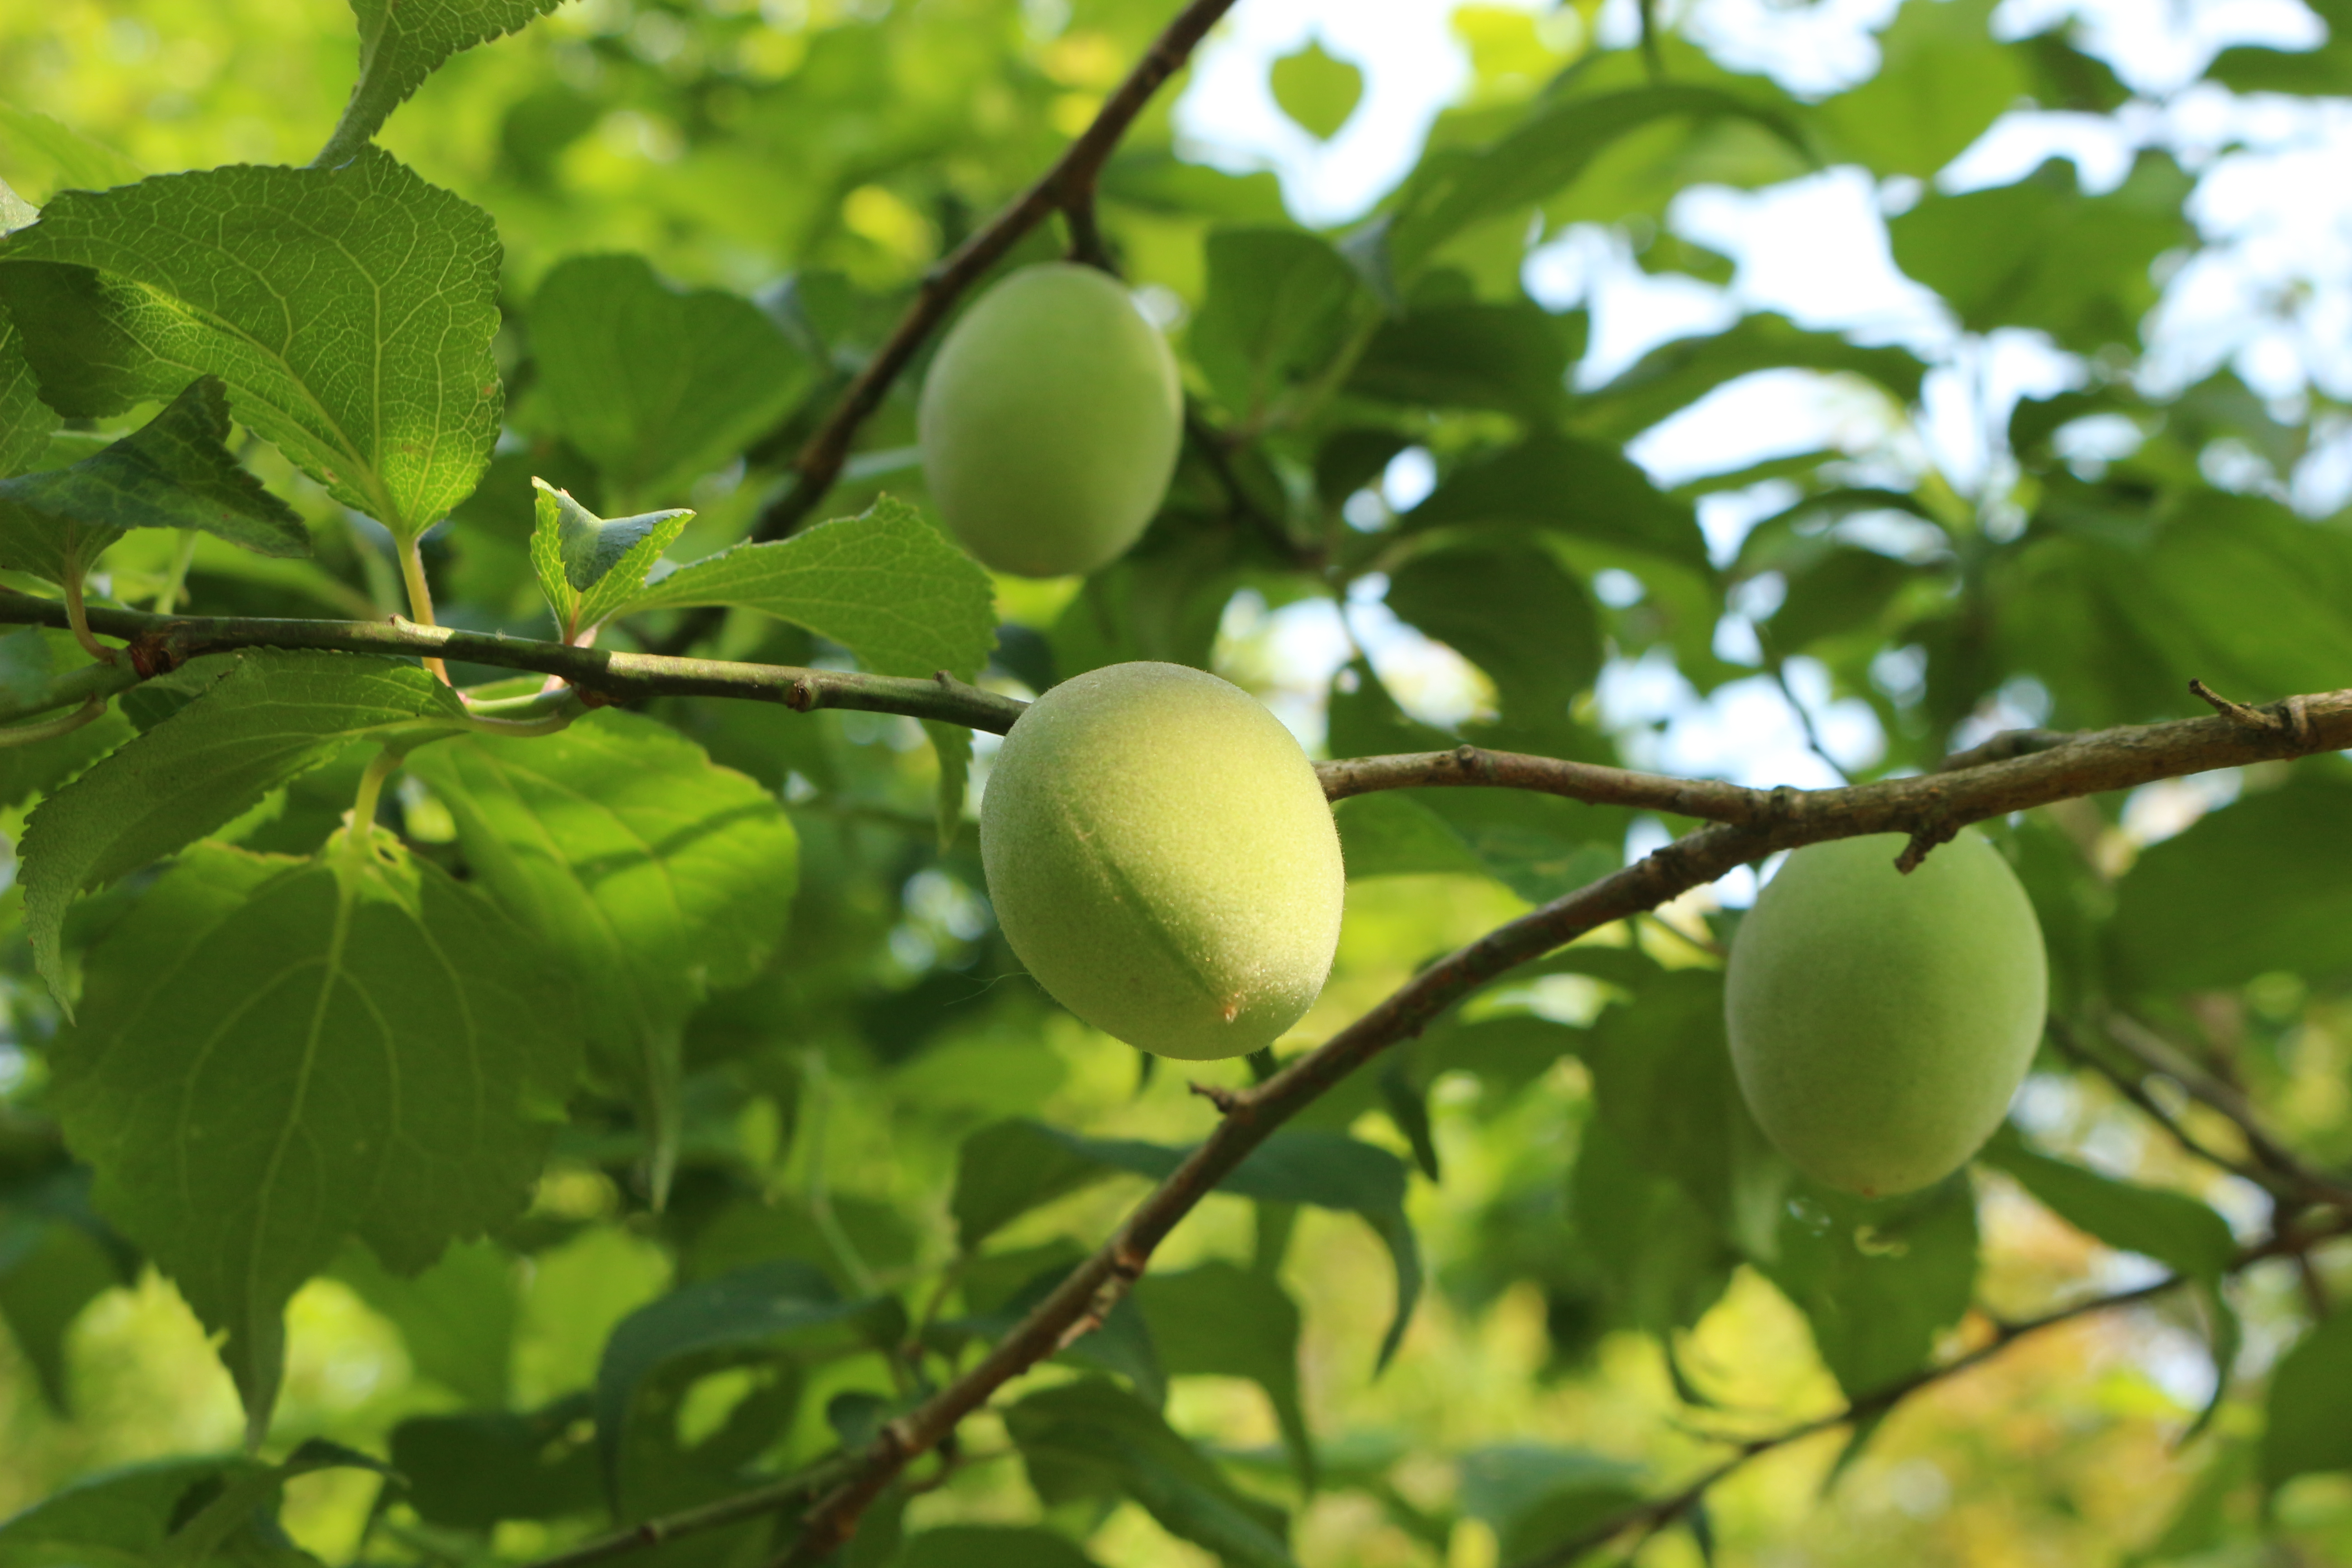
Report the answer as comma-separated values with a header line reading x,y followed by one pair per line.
x,y
1159,854
1050,422
1880,1023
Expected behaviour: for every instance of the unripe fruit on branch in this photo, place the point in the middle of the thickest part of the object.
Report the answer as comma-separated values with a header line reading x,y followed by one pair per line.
x,y
1160,856
1880,1023
1050,422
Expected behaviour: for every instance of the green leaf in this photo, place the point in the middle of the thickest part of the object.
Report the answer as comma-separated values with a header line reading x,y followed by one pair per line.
x,y
1507,606
356,1046
1942,80
26,422
1007,1168
469,1471
1392,835
1537,1496
53,1263
1327,1170
1276,310
1316,90
230,1513
29,660
991,1546
1512,357
651,874
1843,589
778,1308
457,1317
73,161
1679,373
158,1515
2173,1228
2247,890
887,586
1221,1320
2042,254
590,567
1093,1440
1544,155
1662,1077
1661,1258
349,310
1878,1280
174,472
656,384
2305,1431
1579,489
263,718
401,42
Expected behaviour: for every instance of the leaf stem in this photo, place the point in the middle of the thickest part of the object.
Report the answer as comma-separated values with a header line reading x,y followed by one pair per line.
x,y
420,595
49,730
363,805
77,620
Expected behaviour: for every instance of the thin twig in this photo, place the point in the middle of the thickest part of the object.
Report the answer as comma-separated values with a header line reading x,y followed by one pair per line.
x,y
773,1497
1780,669
2135,1091
2158,1055
1658,1512
1067,187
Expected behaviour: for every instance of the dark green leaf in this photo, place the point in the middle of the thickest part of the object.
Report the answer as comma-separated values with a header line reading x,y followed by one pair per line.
x,y
1317,91
173,472
2042,254
1678,374
1513,358
268,278
1511,609
1006,1169
29,660
264,719
1277,306
783,1308
1222,1320
2247,890
1842,590
1094,1440
2305,1430
656,384
354,1047
1661,1258
26,422
1662,1076
2173,1228
470,1471
51,1268
1580,488
1878,1280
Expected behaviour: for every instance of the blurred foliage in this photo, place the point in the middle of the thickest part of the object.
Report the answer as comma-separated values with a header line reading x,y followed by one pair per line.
x,y
830,1139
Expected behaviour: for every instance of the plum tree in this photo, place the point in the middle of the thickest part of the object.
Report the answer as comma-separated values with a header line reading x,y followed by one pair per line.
x,y
1050,421
1880,1023
1160,856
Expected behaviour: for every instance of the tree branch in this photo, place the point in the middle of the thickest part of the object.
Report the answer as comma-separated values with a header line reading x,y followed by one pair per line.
x,y
773,1497
2156,1054
1929,809
159,642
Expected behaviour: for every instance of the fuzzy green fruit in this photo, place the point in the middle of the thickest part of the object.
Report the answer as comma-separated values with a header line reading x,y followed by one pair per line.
x,y
1160,856
1880,1023
1050,421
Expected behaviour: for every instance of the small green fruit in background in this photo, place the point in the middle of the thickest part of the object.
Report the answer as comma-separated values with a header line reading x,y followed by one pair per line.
x,y
1160,856
1050,422
1880,1023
